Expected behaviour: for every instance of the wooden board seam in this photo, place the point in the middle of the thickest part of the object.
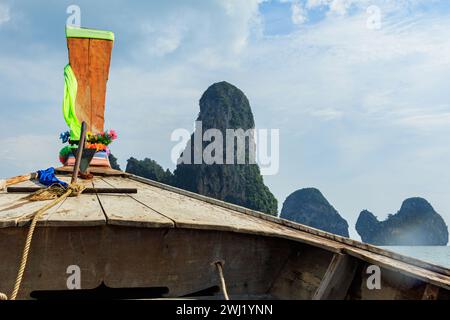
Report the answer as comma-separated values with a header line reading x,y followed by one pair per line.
x,y
147,206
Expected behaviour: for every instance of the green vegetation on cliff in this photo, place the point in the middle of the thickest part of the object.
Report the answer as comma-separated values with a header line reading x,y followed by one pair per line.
x,y
416,223
309,207
149,169
222,107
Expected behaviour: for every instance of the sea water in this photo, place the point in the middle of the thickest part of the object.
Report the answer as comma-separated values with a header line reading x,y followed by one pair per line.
x,y
439,255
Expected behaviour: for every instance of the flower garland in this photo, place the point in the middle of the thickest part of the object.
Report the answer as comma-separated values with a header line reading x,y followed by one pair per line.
x,y
104,137
99,142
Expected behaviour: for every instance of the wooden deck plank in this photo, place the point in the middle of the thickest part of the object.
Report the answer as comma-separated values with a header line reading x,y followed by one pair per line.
x,y
102,171
68,214
13,208
196,214
17,211
184,210
124,210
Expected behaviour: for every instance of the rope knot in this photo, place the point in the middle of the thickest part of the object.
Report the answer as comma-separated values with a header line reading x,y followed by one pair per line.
x,y
77,189
56,191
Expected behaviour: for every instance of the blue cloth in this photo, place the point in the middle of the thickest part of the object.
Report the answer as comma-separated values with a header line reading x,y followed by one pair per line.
x,y
47,178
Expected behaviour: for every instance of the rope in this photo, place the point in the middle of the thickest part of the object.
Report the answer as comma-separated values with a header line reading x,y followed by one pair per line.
x,y
74,189
222,279
52,192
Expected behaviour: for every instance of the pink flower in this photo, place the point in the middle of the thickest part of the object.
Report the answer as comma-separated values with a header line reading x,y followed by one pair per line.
x,y
113,134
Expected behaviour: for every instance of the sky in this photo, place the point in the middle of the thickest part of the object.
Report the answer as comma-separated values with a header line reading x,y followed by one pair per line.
x,y
358,89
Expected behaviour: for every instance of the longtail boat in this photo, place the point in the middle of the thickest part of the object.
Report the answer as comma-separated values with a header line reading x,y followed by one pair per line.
x,y
133,238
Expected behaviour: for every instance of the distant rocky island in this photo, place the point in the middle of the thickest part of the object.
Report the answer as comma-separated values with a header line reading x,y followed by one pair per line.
x,y
309,207
416,223
222,106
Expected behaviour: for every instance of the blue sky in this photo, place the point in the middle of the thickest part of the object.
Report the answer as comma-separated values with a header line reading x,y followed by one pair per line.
x,y
363,112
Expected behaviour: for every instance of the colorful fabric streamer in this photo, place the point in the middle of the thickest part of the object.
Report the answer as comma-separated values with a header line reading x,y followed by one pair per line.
x,y
70,95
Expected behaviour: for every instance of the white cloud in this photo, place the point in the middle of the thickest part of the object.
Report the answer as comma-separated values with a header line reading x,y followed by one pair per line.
x,y
359,71
4,13
165,41
299,14
326,113
220,27
427,122
340,6
335,6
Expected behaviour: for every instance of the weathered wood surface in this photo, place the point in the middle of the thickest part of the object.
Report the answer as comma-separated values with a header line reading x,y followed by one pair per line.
x,y
127,257
99,171
29,184
79,153
154,206
13,208
300,227
88,190
90,61
404,268
337,278
14,180
124,210
52,251
301,274
191,213
84,210
188,212
70,215
394,285
431,292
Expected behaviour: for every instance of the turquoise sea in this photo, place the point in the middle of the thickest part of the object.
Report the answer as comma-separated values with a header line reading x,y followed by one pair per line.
x,y
439,255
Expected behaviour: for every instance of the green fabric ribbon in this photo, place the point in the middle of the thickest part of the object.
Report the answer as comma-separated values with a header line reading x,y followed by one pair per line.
x,y
70,95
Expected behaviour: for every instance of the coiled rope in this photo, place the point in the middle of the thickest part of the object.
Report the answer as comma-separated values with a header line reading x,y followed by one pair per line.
x,y
52,192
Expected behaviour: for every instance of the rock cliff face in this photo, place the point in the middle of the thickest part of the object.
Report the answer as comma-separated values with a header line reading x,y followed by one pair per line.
x,y
222,107
416,223
309,207
113,162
